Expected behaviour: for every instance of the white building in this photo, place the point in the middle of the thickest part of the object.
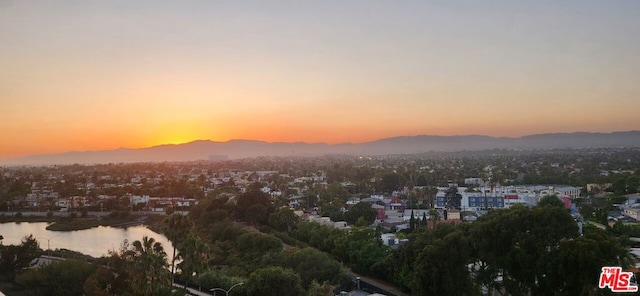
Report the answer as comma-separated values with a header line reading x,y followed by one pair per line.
x,y
136,199
500,197
474,181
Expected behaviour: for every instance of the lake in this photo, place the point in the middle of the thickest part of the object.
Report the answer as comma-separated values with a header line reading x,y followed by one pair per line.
x,y
94,242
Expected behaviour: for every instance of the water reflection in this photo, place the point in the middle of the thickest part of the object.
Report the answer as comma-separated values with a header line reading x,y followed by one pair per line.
x,y
94,242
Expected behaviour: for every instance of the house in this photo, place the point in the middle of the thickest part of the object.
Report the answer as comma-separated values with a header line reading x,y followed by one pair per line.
x,y
632,213
432,224
380,212
342,225
135,199
395,204
294,201
389,239
452,215
160,204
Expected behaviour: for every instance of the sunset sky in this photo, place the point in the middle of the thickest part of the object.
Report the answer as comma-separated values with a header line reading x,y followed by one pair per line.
x,y
94,75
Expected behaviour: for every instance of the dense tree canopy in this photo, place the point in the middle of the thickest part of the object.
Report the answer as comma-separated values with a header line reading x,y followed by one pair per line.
x,y
139,268
390,182
550,200
283,219
274,281
360,210
61,278
516,251
254,206
441,267
313,265
177,228
16,258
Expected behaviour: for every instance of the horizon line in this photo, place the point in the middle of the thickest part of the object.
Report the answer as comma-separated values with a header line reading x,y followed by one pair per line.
x,y
309,143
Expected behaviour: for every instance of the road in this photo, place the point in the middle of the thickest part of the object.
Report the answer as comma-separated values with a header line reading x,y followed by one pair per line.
x,y
633,239
191,291
597,225
57,214
372,285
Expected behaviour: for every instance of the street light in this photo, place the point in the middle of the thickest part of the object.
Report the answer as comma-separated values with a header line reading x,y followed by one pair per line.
x,y
226,292
48,242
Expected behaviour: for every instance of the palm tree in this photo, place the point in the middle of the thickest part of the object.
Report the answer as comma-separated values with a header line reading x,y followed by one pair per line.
x,y
149,264
431,193
434,216
284,218
176,227
194,255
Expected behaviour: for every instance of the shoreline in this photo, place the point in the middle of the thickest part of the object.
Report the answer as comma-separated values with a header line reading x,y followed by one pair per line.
x,y
66,221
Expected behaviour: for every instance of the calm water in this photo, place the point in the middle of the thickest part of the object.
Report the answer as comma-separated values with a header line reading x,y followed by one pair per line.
x,y
94,242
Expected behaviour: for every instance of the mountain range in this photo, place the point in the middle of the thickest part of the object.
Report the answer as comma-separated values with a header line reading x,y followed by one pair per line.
x,y
205,149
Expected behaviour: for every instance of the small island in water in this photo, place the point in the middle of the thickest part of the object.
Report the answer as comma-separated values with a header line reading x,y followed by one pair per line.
x,y
70,221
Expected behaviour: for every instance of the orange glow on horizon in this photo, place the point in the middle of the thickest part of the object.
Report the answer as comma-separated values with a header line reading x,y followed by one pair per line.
x,y
65,141
98,75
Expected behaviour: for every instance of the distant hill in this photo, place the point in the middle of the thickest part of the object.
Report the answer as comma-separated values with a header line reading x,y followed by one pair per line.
x,y
201,150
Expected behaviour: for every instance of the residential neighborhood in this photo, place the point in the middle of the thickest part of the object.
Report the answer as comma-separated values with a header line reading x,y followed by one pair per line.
x,y
384,204
320,185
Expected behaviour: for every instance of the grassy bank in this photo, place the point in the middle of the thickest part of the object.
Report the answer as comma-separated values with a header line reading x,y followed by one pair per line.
x,y
115,219
75,222
4,218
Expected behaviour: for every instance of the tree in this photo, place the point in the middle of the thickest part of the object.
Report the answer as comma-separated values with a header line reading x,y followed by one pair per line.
x,y
328,210
575,266
313,265
195,256
64,277
219,279
336,192
517,245
421,181
452,198
177,228
336,216
632,184
390,182
431,196
112,279
253,198
316,289
255,244
412,222
149,264
550,200
210,211
274,281
364,252
283,219
16,258
139,268
361,209
441,265
434,216
257,214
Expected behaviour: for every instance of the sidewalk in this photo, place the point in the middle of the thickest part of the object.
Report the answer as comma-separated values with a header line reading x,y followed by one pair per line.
x,y
191,291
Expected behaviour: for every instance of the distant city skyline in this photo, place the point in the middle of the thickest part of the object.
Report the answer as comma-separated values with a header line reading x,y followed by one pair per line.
x,y
80,76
